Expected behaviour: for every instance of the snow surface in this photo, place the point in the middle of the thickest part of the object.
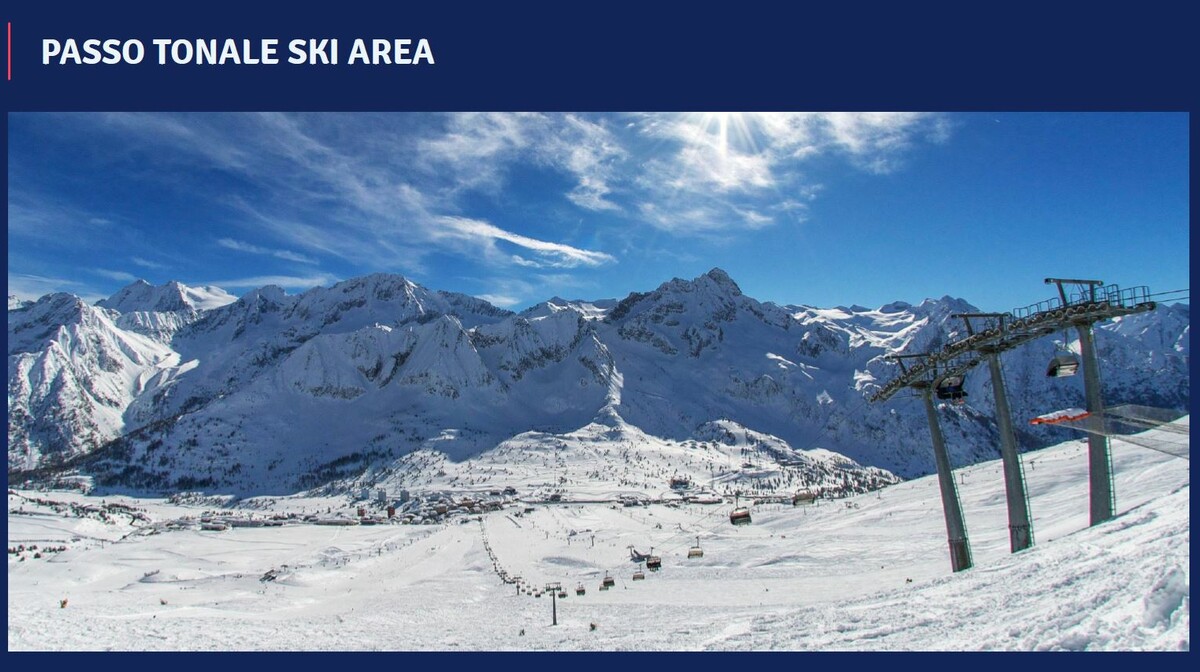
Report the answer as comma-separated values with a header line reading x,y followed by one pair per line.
x,y
870,572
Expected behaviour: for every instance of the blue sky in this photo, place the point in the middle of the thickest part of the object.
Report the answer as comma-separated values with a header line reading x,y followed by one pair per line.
x,y
822,209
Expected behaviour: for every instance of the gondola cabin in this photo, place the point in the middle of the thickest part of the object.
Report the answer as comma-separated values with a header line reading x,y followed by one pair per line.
x,y
654,563
950,388
740,516
1062,366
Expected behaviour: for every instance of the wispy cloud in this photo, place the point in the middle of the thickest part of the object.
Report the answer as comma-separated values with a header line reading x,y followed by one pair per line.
x,y
284,281
726,171
476,146
404,192
38,217
477,149
507,291
146,263
549,254
322,184
286,255
30,287
120,276
502,300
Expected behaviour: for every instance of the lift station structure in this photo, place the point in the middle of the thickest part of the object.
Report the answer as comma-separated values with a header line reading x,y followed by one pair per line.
x,y
942,374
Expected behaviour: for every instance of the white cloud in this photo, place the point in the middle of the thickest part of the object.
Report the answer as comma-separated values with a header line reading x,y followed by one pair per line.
x,y
477,149
29,287
589,152
754,219
501,300
285,281
286,255
120,276
725,169
344,185
146,263
507,291
384,192
485,235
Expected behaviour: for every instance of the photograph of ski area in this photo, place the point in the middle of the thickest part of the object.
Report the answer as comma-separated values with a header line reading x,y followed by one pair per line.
x,y
822,382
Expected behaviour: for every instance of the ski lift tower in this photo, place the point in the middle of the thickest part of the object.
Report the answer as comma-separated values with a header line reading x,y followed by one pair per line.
x,y
1103,499
929,377
554,589
1020,530
943,371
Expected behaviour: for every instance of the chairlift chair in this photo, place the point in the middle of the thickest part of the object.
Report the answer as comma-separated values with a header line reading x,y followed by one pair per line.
x,y
740,514
950,388
608,582
696,551
580,590
639,575
1062,365
654,563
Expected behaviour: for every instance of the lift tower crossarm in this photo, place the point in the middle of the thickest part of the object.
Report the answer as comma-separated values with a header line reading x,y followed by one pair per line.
x,y
1090,284
1021,326
966,318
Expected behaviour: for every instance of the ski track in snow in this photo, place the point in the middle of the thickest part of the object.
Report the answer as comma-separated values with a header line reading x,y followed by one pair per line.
x,y
829,577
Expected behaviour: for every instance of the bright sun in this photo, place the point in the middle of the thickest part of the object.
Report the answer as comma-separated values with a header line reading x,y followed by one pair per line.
x,y
726,130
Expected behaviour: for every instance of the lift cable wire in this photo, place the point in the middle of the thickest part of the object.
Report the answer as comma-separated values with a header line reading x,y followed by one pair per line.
x,y
1173,291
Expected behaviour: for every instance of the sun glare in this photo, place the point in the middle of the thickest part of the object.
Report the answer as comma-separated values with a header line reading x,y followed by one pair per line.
x,y
727,131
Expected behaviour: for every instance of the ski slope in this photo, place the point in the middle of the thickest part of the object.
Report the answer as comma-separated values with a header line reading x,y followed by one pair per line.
x,y
870,572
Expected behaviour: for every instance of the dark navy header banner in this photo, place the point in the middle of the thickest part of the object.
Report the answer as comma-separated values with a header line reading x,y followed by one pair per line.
x,y
602,56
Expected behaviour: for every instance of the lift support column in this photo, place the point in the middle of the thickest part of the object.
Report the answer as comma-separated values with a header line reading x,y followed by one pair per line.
x,y
1099,460
1020,533
956,529
1100,478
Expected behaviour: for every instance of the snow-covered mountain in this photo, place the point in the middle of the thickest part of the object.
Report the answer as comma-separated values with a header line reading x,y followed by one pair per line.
x,y
160,312
271,392
73,374
141,296
15,302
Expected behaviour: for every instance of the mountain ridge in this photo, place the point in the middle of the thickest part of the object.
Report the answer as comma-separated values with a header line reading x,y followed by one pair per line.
x,y
267,390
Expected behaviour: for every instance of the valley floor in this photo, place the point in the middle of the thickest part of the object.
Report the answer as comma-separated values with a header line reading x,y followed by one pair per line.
x,y
865,573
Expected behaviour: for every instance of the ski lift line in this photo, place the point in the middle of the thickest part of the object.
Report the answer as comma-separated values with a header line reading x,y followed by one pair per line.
x,y
862,403
671,549
697,521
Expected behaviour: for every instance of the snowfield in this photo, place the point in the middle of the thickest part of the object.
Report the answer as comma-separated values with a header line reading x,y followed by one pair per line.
x,y
869,572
